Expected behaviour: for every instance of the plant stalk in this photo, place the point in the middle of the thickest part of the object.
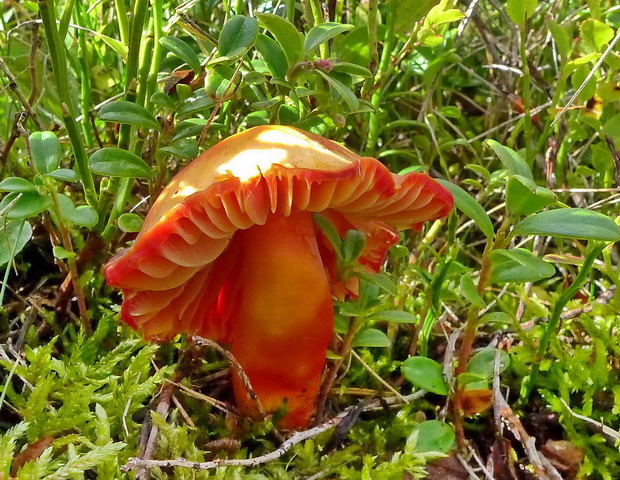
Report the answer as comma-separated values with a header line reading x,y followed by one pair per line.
x,y
59,64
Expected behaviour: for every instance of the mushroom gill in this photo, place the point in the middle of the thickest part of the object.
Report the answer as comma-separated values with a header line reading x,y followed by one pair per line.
x,y
230,252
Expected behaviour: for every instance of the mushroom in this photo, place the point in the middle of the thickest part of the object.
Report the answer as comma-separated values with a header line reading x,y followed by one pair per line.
x,y
230,252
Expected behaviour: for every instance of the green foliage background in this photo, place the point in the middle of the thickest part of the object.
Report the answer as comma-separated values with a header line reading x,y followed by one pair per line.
x,y
513,105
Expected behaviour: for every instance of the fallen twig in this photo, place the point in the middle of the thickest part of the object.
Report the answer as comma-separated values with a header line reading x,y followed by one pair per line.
x,y
293,440
543,469
236,367
604,429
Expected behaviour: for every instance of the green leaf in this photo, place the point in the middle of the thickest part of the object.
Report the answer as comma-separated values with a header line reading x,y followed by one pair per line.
x,y
496,317
596,34
236,37
353,245
183,51
408,12
470,207
451,111
323,32
17,184
512,161
190,128
45,149
222,83
434,436
130,113
83,215
329,355
62,253
425,373
186,148
345,92
267,104
64,174
287,114
560,36
571,223
437,16
524,197
14,235
195,104
612,128
254,78
371,337
394,316
130,222
351,69
162,100
285,33
273,55
518,265
470,292
116,162
483,362
22,205
603,162
520,10
330,233
381,280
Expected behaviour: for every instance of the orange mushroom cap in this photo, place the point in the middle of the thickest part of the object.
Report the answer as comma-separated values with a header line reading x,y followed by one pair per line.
x,y
229,251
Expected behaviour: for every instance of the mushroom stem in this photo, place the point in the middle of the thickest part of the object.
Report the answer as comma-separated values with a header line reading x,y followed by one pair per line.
x,y
283,318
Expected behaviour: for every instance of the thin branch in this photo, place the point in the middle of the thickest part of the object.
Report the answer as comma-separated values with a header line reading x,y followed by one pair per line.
x,y
293,440
14,87
587,79
604,429
237,367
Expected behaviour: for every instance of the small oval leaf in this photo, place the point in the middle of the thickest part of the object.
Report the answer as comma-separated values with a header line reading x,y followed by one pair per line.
x,y
183,51
273,55
237,36
371,337
323,32
512,161
64,174
116,162
17,184
426,374
285,33
470,292
221,83
82,215
14,235
130,222
21,205
353,245
394,316
571,223
130,113
483,362
186,148
470,207
434,436
524,197
345,92
45,149
518,265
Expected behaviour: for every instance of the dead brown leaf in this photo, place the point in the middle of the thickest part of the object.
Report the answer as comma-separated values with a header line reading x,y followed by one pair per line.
x,y
564,456
32,452
476,401
447,468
